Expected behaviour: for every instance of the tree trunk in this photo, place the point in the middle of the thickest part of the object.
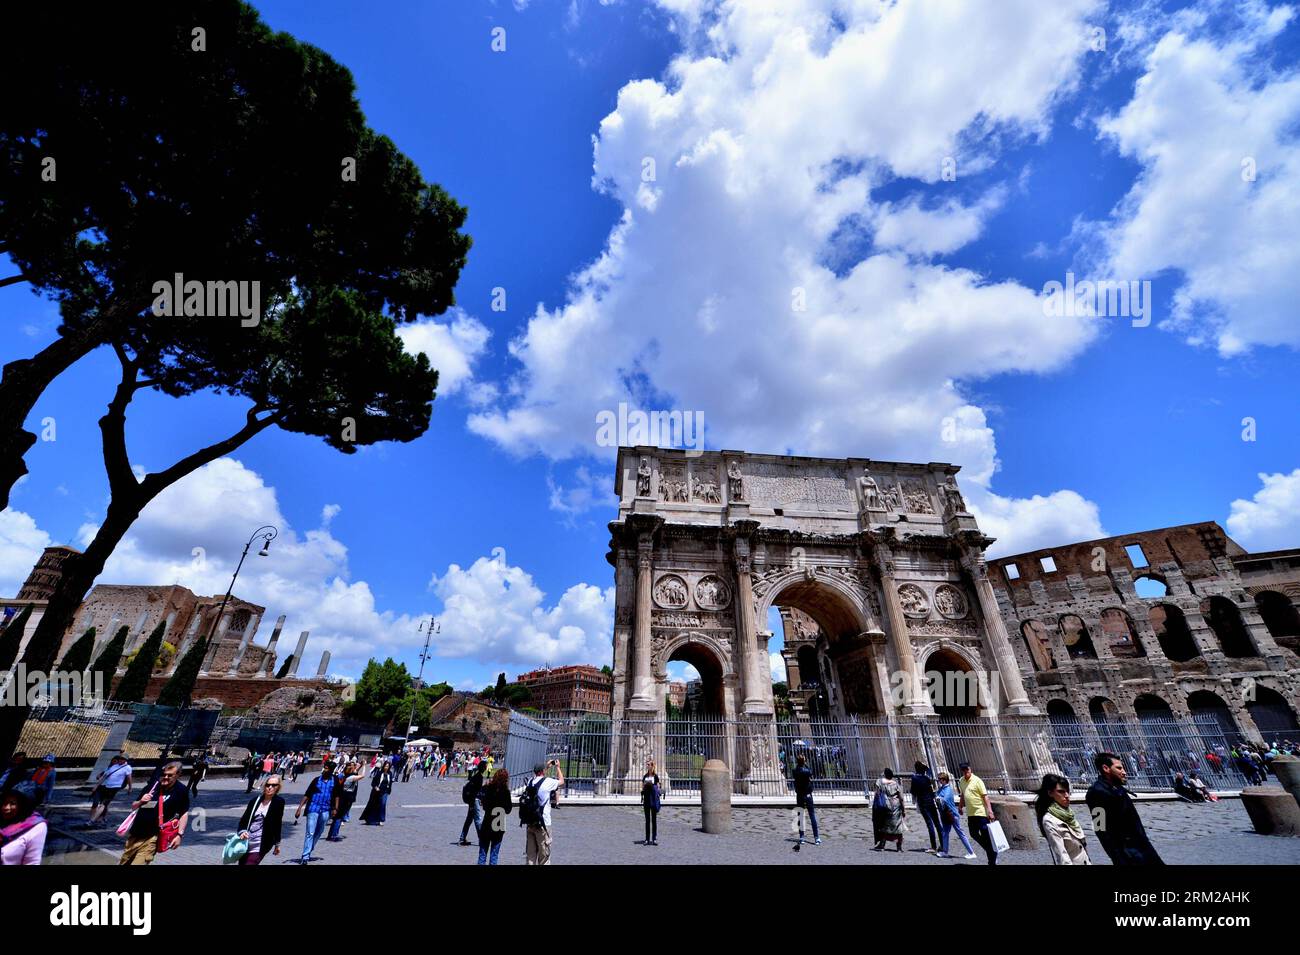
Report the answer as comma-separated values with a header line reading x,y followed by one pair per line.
x,y
79,572
21,387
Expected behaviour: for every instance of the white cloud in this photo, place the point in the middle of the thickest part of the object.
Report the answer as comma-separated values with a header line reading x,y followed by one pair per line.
x,y
681,670
494,613
1204,114
777,665
587,491
452,347
1271,519
1025,524
769,133
21,544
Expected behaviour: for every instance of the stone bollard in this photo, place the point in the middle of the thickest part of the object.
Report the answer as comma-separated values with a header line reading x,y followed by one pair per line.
x,y
715,796
1287,770
1274,812
1018,822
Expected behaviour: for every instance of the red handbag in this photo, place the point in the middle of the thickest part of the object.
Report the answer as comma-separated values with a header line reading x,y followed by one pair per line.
x,y
168,832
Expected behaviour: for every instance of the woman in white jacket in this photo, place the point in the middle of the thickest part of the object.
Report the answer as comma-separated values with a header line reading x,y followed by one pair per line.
x,y
1064,834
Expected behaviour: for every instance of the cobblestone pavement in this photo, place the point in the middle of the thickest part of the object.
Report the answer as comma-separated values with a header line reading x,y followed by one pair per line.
x,y
425,817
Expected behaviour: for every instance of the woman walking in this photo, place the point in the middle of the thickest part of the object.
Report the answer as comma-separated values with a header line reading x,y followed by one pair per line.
x,y
22,828
887,811
1065,838
381,784
950,817
651,800
923,799
496,802
261,822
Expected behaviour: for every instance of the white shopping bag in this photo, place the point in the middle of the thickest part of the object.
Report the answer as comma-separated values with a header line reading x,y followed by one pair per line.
x,y
999,837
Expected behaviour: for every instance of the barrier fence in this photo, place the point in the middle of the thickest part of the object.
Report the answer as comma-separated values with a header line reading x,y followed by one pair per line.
x,y
599,757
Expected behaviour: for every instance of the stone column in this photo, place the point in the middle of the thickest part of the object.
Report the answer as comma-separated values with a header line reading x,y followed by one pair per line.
x,y
249,630
747,636
211,653
324,665
137,633
297,654
186,643
914,700
1012,684
643,688
269,659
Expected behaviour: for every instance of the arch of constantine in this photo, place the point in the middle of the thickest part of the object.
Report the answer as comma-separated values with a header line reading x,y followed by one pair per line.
x,y
878,572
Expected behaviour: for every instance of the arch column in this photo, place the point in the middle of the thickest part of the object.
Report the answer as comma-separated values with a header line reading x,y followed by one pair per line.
x,y
1012,684
1258,633
755,700
914,701
643,689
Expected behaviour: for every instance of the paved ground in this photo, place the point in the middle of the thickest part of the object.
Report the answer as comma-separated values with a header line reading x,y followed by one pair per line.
x,y
425,816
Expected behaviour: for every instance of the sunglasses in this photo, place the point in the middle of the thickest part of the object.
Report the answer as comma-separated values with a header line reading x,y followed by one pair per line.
x,y
271,786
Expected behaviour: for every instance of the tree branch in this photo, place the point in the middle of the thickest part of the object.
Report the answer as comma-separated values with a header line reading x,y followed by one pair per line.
x,y
12,280
117,462
153,484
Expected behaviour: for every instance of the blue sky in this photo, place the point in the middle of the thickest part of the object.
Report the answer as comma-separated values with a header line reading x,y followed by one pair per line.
x,y
796,145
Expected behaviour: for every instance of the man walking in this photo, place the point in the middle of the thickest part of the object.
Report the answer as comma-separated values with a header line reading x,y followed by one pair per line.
x,y
167,802
1114,817
115,777
469,795
803,798
321,801
535,811
979,811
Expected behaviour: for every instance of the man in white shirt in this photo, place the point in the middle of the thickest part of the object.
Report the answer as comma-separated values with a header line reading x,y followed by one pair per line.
x,y
115,777
545,787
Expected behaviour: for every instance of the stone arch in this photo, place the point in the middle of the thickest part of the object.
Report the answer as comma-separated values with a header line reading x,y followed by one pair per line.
x,y
1224,618
1152,706
1121,634
1175,637
953,675
1061,710
1280,617
1272,715
710,660
1034,633
1151,586
1077,639
1208,705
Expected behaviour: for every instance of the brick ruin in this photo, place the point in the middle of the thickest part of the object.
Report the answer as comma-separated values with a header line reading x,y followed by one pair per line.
x,y
1177,621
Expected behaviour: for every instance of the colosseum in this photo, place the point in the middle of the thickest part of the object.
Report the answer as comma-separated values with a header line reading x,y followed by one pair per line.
x,y
1180,621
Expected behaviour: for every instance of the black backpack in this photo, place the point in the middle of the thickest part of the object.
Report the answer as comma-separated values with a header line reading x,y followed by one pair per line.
x,y
532,808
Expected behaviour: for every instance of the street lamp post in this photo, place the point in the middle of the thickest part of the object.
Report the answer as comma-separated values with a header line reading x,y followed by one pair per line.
x,y
429,629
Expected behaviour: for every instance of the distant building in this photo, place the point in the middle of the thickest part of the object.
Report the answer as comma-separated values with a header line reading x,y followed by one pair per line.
x,y
695,694
677,693
583,688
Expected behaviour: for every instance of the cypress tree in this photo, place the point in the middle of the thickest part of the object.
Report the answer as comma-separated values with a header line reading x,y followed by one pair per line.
x,y
179,688
105,665
77,658
11,637
135,682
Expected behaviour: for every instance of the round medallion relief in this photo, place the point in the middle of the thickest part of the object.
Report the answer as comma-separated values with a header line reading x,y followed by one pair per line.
x,y
670,592
712,593
950,602
914,601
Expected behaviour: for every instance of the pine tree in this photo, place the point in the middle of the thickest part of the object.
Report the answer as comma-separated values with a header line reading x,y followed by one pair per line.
x,y
104,668
135,682
11,637
77,658
178,689
500,693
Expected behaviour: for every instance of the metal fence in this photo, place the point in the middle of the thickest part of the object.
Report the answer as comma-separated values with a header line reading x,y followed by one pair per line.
x,y
526,745
599,757
79,733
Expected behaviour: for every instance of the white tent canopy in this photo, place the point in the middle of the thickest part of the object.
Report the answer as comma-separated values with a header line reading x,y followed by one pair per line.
x,y
420,742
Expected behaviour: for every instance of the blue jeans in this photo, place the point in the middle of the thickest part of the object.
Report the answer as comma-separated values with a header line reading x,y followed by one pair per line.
x,y
949,827
812,817
483,852
315,826
473,816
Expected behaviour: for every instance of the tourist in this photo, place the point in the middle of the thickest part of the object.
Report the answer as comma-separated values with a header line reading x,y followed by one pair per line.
x,y
887,811
381,784
651,800
923,799
43,777
1185,791
974,800
351,779
496,805
803,798
261,822
268,766
198,770
22,828
1058,824
15,773
1114,817
469,796
162,811
1196,782
535,812
950,817
111,780
321,801
252,769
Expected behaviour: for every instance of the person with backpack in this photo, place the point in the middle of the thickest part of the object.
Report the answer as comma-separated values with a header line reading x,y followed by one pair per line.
x,y
535,811
923,799
803,797
651,800
469,796
494,800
